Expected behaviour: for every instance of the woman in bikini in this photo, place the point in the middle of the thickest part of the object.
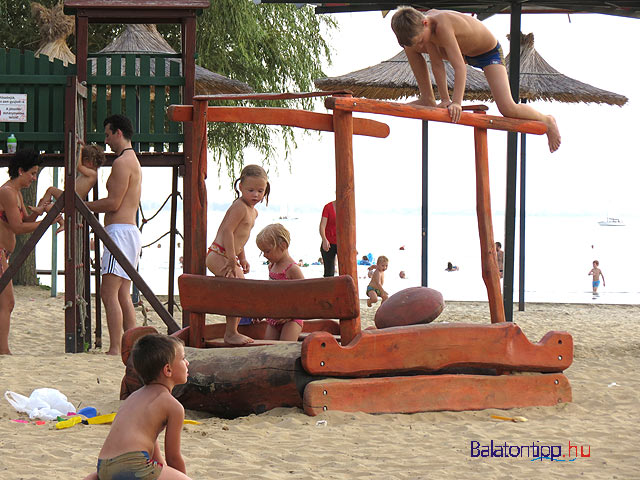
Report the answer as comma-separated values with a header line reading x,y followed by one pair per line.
x,y
14,220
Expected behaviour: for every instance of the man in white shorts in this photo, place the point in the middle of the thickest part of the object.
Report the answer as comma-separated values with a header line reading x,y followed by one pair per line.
x,y
120,206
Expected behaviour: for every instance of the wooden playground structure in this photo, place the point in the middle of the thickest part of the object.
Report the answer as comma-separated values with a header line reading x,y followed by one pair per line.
x,y
337,366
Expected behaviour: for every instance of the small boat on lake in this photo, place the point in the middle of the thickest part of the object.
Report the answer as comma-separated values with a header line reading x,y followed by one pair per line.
x,y
611,222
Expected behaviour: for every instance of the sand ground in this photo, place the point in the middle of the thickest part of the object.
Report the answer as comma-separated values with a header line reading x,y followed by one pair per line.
x,y
285,443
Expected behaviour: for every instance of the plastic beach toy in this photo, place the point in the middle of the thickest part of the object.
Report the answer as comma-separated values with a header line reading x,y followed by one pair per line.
x,y
510,419
88,412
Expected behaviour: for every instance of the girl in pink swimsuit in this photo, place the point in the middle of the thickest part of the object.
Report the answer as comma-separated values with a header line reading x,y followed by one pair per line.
x,y
273,240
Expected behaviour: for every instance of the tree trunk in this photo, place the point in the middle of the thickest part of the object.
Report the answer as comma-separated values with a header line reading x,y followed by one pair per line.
x,y
27,273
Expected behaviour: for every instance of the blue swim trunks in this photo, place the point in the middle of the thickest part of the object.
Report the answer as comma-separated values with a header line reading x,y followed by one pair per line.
x,y
369,288
492,57
596,283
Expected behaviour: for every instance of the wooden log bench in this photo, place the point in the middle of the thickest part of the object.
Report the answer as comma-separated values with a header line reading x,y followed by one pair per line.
x,y
430,348
319,300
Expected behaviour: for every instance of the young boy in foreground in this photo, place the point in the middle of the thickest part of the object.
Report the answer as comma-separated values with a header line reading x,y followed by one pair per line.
x,y
131,449
460,39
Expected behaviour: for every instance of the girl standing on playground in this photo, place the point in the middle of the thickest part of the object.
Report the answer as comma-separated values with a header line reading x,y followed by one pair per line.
x,y
274,240
226,256
14,220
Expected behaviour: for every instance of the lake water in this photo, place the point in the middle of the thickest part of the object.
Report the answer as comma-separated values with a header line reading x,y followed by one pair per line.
x,y
559,252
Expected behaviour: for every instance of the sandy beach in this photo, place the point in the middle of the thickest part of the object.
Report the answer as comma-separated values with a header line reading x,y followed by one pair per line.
x,y
286,443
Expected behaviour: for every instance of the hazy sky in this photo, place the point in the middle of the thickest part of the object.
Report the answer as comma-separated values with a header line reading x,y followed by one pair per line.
x,y
594,172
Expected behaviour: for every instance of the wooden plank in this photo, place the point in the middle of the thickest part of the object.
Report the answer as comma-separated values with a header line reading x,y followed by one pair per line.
x,y
116,88
145,99
29,69
429,393
489,260
130,94
346,211
220,343
278,116
57,106
270,96
159,102
195,219
429,348
44,97
257,330
434,114
141,5
315,298
101,100
174,97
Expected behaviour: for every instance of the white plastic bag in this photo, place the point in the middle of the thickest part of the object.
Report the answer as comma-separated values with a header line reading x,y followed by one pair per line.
x,y
44,403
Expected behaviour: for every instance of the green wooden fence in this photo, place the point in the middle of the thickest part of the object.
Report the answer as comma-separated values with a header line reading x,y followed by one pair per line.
x,y
140,86
44,83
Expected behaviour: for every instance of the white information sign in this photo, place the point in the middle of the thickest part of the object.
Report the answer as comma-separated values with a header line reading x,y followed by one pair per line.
x,y
13,107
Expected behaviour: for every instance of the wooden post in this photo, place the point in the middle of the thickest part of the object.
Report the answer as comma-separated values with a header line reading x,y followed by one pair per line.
x,y
346,211
490,273
73,341
195,217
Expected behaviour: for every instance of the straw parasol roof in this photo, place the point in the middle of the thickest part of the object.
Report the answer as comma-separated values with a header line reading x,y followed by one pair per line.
x,y
393,79
54,27
138,38
540,81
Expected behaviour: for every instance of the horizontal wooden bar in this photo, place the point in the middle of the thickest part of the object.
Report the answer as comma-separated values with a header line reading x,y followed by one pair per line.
x,y
119,80
147,159
136,54
314,298
24,80
429,393
405,110
278,116
269,96
142,5
429,348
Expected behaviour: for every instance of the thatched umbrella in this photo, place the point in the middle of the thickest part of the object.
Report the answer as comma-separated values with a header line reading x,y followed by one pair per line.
x,y
540,81
54,27
138,38
393,79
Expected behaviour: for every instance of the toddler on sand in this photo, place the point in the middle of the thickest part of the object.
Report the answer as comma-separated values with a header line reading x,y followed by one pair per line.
x,y
375,290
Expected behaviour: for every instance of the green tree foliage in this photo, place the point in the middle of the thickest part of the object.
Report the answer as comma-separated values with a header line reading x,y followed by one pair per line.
x,y
272,47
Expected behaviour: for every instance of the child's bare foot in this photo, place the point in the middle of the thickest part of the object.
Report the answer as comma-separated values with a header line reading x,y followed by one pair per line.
x,y
60,227
368,302
553,134
113,352
237,339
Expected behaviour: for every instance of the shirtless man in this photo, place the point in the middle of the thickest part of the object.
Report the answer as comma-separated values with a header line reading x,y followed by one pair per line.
x,y
460,39
123,197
